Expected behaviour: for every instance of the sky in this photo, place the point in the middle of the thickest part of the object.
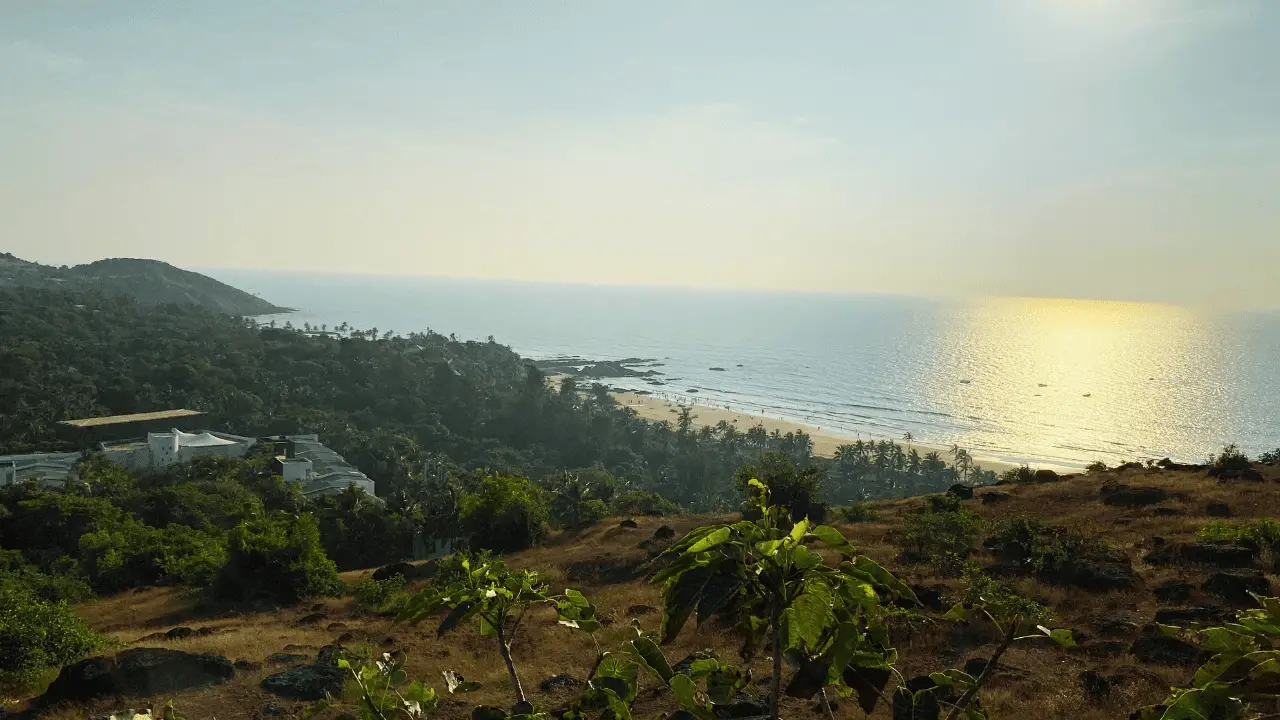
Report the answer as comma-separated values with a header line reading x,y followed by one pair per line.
x,y
1115,149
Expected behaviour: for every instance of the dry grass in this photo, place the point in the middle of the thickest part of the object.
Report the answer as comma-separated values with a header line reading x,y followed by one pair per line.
x,y
604,562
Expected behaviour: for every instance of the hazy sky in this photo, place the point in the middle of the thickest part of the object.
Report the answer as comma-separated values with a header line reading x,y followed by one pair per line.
x,y
1105,148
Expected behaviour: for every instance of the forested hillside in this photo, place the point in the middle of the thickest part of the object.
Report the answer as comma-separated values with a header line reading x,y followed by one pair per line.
x,y
149,281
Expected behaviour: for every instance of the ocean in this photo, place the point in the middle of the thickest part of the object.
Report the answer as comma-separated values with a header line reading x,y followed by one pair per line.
x,y
1045,381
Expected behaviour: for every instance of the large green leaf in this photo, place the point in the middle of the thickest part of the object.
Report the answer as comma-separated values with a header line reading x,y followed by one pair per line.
x,y
678,567
811,617
458,614
799,529
618,675
681,599
809,678
884,578
829,536
714,538
957,679
651,656
840,653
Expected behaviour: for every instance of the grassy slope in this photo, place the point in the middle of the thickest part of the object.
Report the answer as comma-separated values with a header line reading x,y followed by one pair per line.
x,y
1038,682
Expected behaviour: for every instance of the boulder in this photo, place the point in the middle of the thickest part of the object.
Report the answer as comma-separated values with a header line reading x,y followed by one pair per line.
x,y
638,610
403,569
961,491
666,532
1045,475
312,619
335,627
1164,650
995,496
1186,616
975,666
1218,510
557,682
287,658
306,682
330,655
742,706
1098,686
1216,553
137,672
1235,586
628,524
1095,575
684,665
247,665
1173,591
179,633
930,597
1122,625
1131,496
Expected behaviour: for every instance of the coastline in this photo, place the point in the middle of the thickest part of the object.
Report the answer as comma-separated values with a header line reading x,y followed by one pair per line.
x,y
825,442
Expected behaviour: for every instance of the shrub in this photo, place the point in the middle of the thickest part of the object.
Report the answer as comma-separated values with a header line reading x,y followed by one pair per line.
x,y
453,568
641,502
1230,463
796,489
1097,466
1020,474
1038,546
942,533
130,554
1261,532
36,636
276,559
63,583
857,512
504,514
376,595
1270,458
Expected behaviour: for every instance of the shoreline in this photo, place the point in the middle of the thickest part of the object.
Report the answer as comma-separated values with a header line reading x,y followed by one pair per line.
x,y
825,442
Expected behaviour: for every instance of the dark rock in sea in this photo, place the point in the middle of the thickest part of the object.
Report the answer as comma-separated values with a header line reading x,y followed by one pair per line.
x,y
717,369
282,658
1164,650
995,496
137,672
1098,686
692,390
961,491
1234,586
684,665
1130,496
1186,616
1173,591
558,682
306,682
639,610
666,532
1217,510
386,572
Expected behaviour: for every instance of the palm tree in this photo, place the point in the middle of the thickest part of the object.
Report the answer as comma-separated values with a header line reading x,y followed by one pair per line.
x,y
907,436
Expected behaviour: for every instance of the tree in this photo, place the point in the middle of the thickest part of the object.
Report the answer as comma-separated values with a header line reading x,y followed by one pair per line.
x,y
827,622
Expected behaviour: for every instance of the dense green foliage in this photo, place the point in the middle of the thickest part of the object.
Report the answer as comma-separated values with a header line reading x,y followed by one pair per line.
x,y
942,533
36,634
1261,531
278,559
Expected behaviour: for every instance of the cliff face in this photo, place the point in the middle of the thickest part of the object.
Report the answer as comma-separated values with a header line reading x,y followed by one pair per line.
x,y
149,281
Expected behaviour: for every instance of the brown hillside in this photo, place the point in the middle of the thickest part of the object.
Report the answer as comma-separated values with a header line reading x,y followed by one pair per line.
x,y
606,563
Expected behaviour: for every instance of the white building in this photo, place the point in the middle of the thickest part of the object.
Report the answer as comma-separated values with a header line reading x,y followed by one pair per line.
x,y
53,469
318,469
163,449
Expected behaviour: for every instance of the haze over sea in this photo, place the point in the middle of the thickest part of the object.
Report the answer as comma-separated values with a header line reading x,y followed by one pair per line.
x,y
1046,381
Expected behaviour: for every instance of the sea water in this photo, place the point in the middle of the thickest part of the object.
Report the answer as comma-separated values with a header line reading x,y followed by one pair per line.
x,y
1064,382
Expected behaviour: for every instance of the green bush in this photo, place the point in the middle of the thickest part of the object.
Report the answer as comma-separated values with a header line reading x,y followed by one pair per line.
x,y
504,514
1262,531
377,595
1038,546
1097,466
1270,458
641,502
36,636
1020,474
857,512
276,559
63,583
452,569
942,534
1230,463
796,489
130,554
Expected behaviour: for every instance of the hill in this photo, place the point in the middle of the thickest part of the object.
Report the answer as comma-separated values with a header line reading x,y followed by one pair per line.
x,y
149,281
1137,528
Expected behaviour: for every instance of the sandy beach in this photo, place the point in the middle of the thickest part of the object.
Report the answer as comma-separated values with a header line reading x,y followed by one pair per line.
x,y
824,444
